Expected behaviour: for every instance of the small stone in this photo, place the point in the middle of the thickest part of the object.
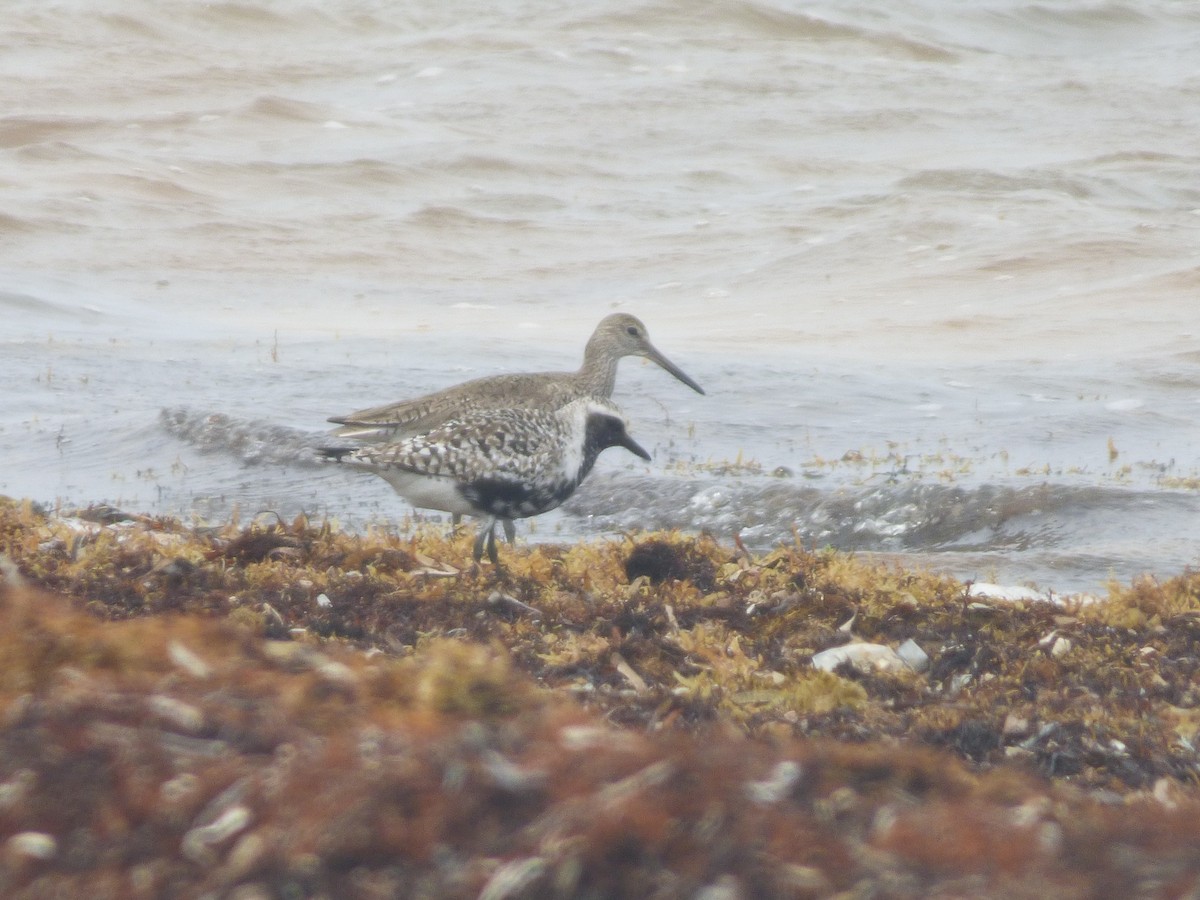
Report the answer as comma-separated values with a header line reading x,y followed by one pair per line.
x,y
808,879
1015,726
179,788
863,656
510,777
33,844
185,659
182,715
776,786
727,887
323,601
514,879
17,788
1009,593
198,842
1031,812
912,654
245,856
336,672
958,682
1056,644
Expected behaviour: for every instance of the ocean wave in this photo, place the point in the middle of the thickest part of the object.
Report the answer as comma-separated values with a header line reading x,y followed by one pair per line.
x,y
892,517
250,441
894,513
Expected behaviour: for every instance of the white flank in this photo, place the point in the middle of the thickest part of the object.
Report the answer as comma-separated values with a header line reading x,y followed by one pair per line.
x,y
427,491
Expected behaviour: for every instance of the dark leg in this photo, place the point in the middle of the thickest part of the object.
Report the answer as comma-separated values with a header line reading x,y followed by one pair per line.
x,y
487,537
510,531
480,538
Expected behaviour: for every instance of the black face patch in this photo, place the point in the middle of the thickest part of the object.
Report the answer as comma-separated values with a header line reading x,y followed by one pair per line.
x,y
604,431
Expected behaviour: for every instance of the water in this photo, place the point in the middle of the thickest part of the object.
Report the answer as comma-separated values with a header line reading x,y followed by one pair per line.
x,y
935,263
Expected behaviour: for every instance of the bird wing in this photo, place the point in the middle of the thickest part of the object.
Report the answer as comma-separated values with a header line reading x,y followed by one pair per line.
x,y
422,415
515,444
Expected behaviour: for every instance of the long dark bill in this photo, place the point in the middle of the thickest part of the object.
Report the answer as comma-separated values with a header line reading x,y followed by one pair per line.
x,y
654,355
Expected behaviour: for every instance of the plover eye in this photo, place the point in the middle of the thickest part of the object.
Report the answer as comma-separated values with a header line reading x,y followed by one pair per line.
x,y
632,329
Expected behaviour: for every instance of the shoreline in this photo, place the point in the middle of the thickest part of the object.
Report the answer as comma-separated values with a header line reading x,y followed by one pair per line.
x,y
605,692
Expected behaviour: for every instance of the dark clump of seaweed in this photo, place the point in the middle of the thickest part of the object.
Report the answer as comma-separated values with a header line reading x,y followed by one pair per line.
x,y
661,560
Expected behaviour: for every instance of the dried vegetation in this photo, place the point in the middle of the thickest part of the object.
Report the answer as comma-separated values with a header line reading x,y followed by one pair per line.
x,y
285,710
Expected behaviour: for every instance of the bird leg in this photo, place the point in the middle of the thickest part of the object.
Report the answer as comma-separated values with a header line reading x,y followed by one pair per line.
x,y
491,546
510,530
487,537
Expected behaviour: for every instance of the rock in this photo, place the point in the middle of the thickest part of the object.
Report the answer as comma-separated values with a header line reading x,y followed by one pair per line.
x,y
1015,726
514,879
867,658
199,842
1011,593
776,786
185,659
914,657
33,845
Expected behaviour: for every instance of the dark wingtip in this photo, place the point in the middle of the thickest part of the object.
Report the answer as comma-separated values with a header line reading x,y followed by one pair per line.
x,y
334,453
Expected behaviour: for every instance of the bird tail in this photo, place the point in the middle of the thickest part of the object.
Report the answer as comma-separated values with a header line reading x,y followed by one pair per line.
x,y
335,453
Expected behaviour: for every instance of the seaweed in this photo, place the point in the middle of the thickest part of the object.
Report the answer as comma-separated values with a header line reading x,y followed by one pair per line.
x,y
289,709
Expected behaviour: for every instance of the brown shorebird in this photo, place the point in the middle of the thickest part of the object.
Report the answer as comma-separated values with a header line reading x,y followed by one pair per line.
x,y
501,464
616,336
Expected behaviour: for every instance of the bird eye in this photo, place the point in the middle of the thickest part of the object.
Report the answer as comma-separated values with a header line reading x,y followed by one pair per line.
x,y
632,329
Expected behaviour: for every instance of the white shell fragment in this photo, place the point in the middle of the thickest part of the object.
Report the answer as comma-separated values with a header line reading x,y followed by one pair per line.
x,y
864,657
867,657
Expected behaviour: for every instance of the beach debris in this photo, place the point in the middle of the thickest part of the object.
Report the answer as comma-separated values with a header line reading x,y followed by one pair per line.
x,y
862,656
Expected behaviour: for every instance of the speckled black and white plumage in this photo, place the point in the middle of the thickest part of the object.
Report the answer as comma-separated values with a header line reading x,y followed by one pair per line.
x,y
503,464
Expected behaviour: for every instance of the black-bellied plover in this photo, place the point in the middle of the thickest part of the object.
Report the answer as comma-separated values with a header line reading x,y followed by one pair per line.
x,y
616,336
500,464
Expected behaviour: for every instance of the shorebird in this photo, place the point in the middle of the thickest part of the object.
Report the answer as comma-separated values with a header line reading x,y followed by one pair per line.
x,y
617,336
498,464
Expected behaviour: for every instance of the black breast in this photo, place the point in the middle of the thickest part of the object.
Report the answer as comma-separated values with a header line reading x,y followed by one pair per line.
x,y
510,499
